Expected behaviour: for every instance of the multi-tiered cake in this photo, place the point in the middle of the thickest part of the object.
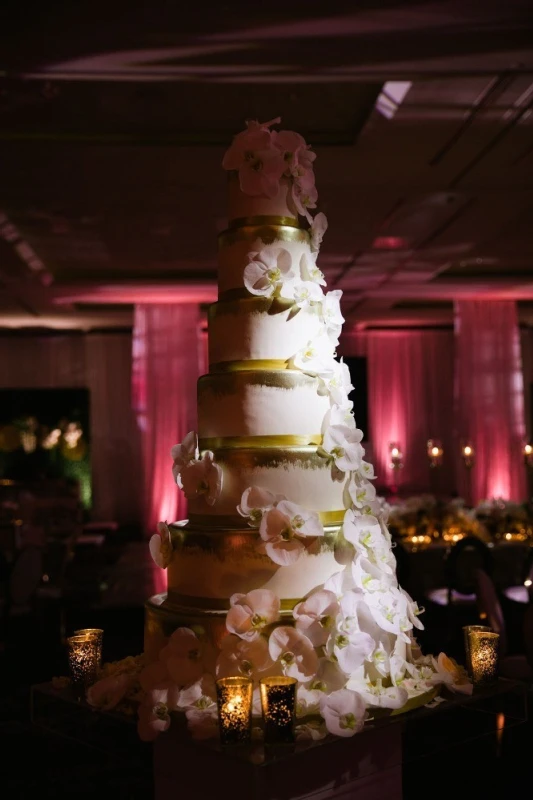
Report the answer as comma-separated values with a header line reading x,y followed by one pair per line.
x,y
285,564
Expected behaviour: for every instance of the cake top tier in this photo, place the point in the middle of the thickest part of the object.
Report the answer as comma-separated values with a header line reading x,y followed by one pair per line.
x,y
271,173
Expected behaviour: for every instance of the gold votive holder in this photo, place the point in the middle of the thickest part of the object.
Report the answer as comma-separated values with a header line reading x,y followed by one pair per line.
x,y
83,661
234,701
483,657
93,633
278,704
467,629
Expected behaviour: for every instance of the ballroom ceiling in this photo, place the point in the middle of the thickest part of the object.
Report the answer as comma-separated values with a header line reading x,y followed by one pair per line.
x,y
113,126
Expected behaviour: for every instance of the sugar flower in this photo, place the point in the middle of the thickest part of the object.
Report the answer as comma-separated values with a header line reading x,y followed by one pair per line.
x,y
242,657
183,657
351,647
254,503
303,294
369,577
106,693
315,616
330,314
294,653
376,695
449,672
361,491
337,384
250,613
161,546
268,270
317,230
342,447
339,415
183,454
364,532
344,712
309,270
316,358
154,712
282,529
202,478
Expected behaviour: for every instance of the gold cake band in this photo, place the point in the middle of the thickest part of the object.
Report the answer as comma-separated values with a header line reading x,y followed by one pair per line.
x,y
233,521
263,219
249,365
287,440
191,602
267,232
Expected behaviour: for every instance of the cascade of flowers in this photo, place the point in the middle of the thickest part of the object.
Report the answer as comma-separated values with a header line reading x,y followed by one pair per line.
x,y
351,644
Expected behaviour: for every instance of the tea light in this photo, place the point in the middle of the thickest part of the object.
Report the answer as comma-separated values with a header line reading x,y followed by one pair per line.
x,y
83,661
97,634
483,657
278,704
234,700
467,629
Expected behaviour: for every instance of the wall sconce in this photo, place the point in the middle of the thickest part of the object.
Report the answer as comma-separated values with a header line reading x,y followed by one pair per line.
x,y
234,700
435,453
395,456
528,454
467,452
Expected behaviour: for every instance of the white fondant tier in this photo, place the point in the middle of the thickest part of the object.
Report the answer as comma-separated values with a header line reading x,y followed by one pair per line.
x,y
258,328
298,473
234,245
216,566
244,205
260,403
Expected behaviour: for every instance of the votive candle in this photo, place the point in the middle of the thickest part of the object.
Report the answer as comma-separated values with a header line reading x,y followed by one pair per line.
x,y
467,629
234,700
83,662
278,704
483,657
97,634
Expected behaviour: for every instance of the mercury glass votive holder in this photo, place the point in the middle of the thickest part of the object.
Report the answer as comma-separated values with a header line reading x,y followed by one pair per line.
x,y
483,657
234,701
83,661
278,704
467,629
96,633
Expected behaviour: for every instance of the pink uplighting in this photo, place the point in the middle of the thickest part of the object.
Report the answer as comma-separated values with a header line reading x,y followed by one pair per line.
x,y
389,243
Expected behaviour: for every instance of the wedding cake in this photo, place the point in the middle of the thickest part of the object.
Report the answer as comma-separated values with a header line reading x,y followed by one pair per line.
x,y
285,564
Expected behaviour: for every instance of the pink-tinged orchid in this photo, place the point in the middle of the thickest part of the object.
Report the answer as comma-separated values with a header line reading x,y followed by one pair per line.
x,y
315,616
200,695
184,454
304,294
351,648
344,712
282,529
369,577
268,270
329,677
294,653
106,693
183,657
241,657
309,270
154,712
296,153
331,316
250,613
202,478
254,503
161,546
342,447
307,701
259,163
449,672
389,610
304,193
317,230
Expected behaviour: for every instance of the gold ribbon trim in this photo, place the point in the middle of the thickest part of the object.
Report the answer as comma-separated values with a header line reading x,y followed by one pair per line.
x,y
265,219
191,602
288,440
237,523
250,365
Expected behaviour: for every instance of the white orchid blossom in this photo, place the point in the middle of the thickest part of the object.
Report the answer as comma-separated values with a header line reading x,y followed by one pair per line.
x,y
339,583
202,478
362,492
310,272
331,316
344,712
317,230
375,695
293,652
316,358
303,294
329,676
364,532
315,616
267,271
449,672
342,447
161,546
183,657
339,415
389,610
369,577
242,657
254,503
250,613
282,529
366,471
184,454
307,701
337,383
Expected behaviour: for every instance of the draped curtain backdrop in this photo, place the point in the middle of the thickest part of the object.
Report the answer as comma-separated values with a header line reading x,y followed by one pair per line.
x,y
489,399
167,359
410,395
